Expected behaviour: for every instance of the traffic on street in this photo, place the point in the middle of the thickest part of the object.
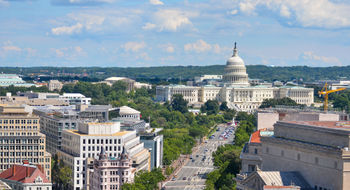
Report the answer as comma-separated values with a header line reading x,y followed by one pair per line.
x,y
192,175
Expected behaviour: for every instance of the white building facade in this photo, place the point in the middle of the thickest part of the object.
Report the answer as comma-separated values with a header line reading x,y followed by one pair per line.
x,y
75,99
87,141
235,90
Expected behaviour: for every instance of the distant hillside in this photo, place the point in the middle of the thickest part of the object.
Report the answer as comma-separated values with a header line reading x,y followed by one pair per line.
x,y
185,72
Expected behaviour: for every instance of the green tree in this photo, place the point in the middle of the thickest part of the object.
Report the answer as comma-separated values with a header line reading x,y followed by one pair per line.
x,y
145,180
286,101
224,107
65,175
179,104
210,107
342,102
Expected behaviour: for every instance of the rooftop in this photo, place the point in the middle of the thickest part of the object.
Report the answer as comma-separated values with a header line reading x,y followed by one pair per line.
x,y
256,136
278,178
340,125
127,110
120,133
24,173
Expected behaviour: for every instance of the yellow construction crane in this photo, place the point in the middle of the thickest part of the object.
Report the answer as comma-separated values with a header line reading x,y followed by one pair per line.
x,y
325,92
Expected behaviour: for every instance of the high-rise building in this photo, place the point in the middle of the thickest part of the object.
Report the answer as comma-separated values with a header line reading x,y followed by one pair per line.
x,y
86,142
55,119
154,143
111,172
20,139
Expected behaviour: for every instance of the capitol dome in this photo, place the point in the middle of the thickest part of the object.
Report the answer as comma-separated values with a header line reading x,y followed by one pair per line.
x,y
235,70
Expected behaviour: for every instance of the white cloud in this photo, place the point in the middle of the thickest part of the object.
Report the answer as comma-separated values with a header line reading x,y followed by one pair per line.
x,y
199,46
134,46
11,48
311,56
149,26
169,20
156,2
311,13
69,30
233,12
69,52
94,21
88,22
247,6
285,11
169,48
8,48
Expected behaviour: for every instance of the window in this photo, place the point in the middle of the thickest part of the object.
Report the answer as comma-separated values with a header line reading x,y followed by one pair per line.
x,y
316,160
255,151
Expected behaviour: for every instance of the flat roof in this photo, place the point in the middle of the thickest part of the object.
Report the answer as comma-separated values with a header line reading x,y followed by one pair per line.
x,y
342,125
120,133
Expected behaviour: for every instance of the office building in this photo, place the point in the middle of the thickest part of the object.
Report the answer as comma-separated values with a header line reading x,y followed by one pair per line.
x,y
153,141
55,119
86,142
20,139
75,99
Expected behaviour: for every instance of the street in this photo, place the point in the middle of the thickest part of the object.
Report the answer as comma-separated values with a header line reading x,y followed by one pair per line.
x,y
192,175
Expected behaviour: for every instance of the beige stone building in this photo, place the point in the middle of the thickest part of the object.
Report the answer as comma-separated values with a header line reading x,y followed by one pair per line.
x,y
318,150
266,118
273,180
235,90
55,85
20,139
110,173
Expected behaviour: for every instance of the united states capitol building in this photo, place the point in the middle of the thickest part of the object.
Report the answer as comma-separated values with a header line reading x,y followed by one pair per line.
x,y
235,90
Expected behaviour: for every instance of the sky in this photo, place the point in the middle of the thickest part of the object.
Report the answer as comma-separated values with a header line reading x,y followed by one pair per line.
x,y
142,33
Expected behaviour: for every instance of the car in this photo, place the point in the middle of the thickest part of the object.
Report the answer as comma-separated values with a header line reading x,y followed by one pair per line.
x,y
184,178
193,160
173,179
197,155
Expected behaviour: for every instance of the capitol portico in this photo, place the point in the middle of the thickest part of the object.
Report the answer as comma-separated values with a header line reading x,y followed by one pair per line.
x,y
235,90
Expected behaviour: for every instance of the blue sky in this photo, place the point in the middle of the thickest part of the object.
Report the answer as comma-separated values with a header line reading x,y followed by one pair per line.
x,y
136,33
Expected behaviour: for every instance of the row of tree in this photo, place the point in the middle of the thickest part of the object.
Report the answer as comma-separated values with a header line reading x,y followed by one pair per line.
x,y
227,157
301,73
